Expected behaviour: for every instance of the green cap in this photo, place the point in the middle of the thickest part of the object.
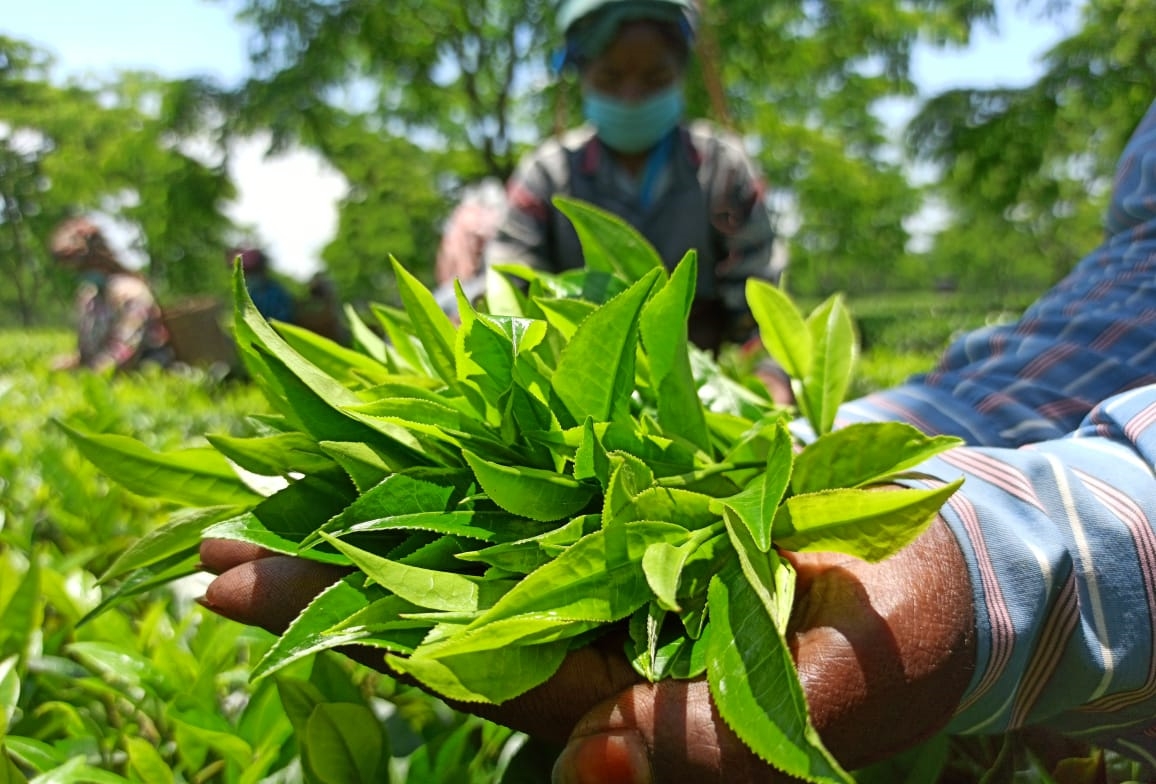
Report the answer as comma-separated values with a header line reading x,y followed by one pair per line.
x,y
590,25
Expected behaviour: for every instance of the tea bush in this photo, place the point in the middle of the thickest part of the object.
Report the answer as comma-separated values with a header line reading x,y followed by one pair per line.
x,y
156,689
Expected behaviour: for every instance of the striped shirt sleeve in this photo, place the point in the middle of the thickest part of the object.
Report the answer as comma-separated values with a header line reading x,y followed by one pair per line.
x,y
1057,515
1061,551
1090,337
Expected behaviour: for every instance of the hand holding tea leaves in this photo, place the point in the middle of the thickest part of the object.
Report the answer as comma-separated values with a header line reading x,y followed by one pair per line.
x,y
883,652
558,503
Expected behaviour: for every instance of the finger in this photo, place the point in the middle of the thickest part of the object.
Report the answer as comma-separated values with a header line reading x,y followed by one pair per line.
x,y
550,711
888,645
667,731
269,592
220,555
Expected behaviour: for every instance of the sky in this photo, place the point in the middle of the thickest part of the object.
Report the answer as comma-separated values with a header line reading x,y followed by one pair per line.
x,y
290,200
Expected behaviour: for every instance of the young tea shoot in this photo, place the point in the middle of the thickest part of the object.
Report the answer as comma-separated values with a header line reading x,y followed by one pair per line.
x,y
560,463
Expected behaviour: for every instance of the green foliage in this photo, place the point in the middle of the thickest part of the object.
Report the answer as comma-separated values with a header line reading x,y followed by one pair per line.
x,y
154,689
107,147
587,471
1027,170
412,100
393,207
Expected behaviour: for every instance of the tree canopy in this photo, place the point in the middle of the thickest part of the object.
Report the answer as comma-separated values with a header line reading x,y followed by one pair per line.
x,y
411,100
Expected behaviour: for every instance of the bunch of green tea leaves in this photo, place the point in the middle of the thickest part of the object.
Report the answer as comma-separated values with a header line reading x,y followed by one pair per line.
x,y
560,462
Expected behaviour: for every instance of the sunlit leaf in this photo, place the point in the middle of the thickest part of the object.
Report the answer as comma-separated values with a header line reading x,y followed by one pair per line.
x,y
198,477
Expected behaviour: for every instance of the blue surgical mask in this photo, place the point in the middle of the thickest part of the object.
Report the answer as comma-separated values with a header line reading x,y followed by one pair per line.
x,y
634,127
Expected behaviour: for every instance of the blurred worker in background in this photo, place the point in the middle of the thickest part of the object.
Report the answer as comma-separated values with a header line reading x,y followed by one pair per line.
x,y
118,320
320,310
271,298
468,230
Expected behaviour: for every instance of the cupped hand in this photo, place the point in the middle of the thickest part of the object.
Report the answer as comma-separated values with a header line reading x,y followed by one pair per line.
x,y
884,652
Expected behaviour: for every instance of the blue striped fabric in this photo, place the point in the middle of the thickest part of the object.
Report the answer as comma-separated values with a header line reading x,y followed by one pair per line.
x,y
1056,517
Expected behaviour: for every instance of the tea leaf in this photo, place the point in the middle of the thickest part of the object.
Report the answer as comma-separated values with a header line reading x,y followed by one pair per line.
x,y
595,373
344,744
430,323
181,535
421,490
565,315
766,573
868,524
499,670
833,357
22,612
688,509
324,624
249,528
276,455
526,555
862,454
663,327
197,477
755,506
9,773
318,411
662,565
146,762
484,357
530,492
502,297
363,465
482,526
145,579
304,505
352,368
430,588
753,681
662,650
297,387
590,459
590,580
365,339
609,243
403,347
781,326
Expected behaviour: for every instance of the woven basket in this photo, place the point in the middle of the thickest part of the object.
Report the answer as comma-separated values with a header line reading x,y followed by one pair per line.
x,y
196,334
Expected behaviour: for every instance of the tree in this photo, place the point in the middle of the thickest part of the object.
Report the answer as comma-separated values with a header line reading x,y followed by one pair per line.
x,y
804,79
393,208
109,148
458,76
470,81
1027,171
22,186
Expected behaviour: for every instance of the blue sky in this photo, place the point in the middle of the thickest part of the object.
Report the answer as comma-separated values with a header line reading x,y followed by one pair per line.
x,y
290,200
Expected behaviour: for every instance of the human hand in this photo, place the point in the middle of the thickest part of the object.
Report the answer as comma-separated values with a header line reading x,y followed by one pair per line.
x,y
65,362
884,652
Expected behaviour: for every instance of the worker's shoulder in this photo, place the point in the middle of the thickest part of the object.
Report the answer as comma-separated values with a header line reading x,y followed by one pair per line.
x,y
122,287
557,150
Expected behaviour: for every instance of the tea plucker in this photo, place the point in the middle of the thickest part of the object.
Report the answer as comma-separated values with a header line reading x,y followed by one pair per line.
x,y
684,185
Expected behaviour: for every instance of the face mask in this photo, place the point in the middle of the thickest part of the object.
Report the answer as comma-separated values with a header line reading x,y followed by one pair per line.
x,y
634,127
93,278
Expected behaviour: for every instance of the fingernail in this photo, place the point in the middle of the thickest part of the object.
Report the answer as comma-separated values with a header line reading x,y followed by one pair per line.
x,y
204,602
606,758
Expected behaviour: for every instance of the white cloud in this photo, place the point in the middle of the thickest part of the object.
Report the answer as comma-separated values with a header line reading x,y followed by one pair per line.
x,y
289,199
